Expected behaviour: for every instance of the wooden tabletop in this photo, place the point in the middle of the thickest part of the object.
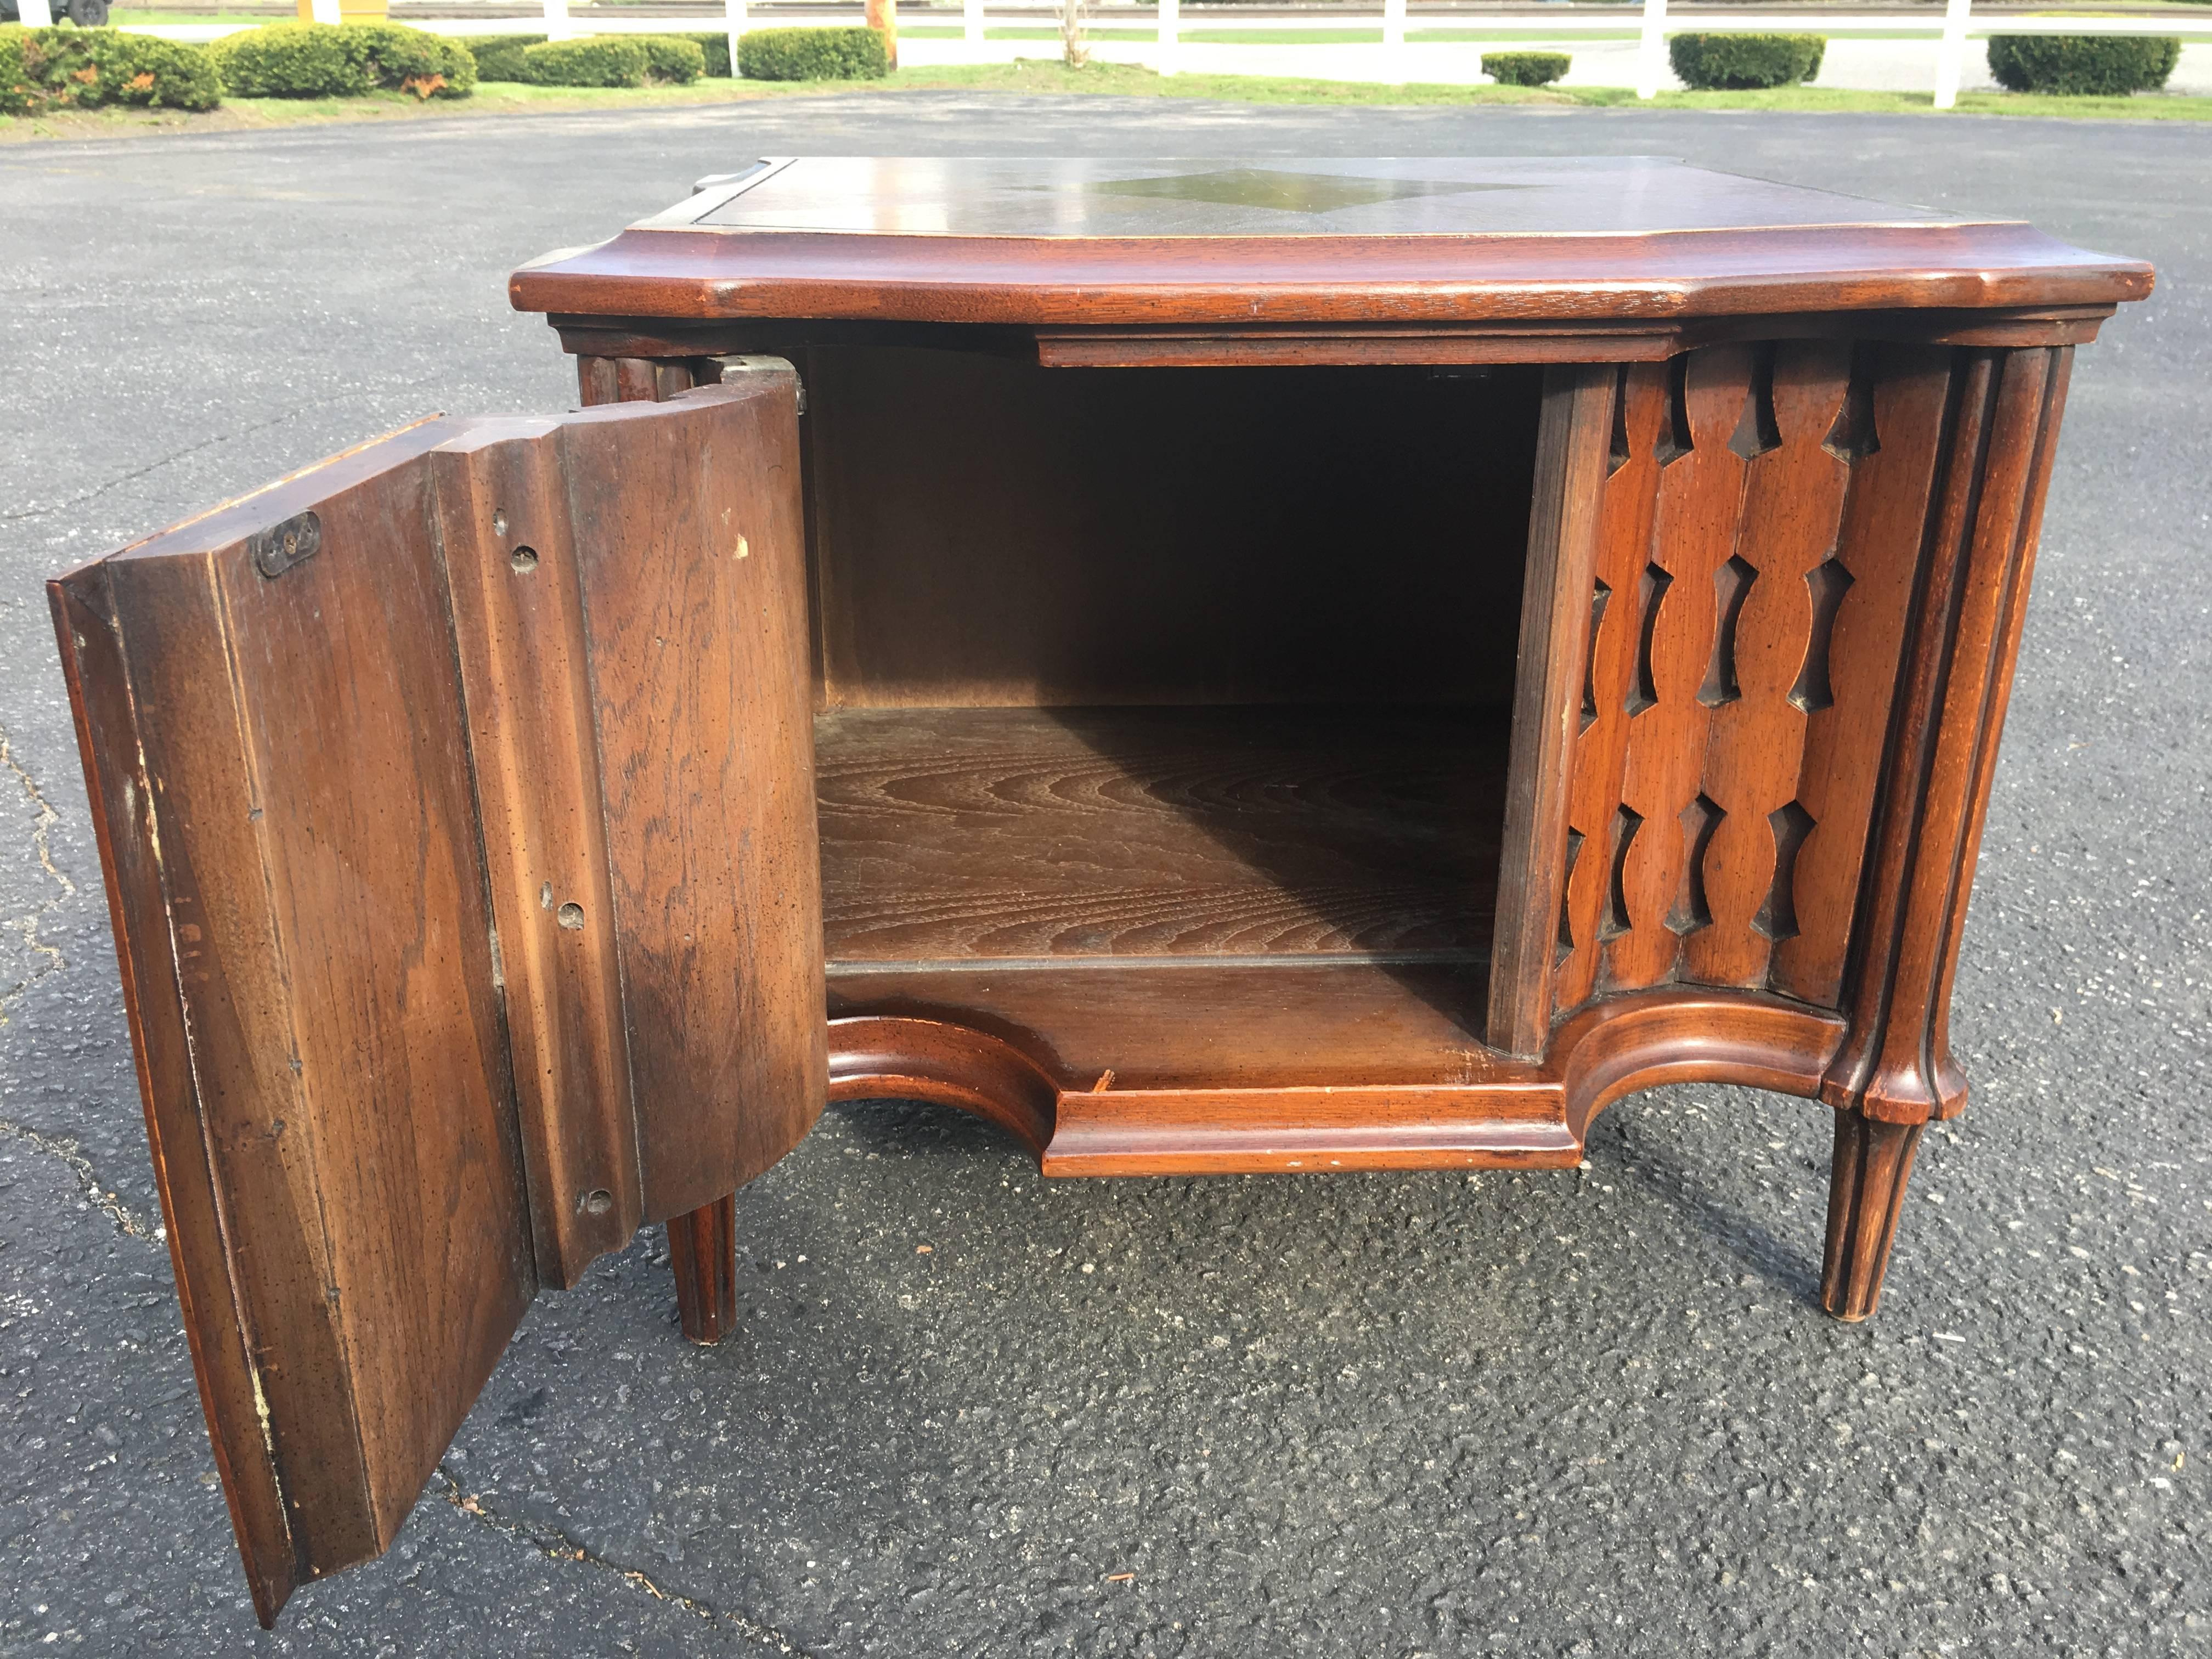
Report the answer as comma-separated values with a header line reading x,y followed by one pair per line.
x,y
1062,243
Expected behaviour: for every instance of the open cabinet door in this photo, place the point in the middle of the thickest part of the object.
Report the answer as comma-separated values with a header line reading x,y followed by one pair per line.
x,y
455,798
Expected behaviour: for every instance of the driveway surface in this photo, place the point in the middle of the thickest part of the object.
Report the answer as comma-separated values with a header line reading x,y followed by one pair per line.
x,y
1589,1412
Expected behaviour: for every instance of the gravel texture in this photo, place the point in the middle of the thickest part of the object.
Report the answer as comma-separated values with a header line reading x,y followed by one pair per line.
x,y
1371,1415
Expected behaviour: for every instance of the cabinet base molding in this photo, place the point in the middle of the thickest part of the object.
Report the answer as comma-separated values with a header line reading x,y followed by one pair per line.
x,y
1497,1113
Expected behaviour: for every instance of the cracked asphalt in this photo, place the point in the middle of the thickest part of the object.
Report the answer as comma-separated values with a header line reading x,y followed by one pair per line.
x,y
1589,1412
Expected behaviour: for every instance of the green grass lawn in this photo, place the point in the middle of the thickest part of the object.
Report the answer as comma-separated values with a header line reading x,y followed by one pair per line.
x,y
1041,74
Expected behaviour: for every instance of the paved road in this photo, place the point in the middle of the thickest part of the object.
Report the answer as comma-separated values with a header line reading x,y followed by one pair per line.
x,y
1377,1415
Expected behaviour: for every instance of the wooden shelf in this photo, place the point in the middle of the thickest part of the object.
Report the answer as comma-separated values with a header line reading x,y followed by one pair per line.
x,y
958,837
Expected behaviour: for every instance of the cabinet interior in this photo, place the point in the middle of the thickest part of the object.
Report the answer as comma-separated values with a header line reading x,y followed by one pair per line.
x,y
1194,667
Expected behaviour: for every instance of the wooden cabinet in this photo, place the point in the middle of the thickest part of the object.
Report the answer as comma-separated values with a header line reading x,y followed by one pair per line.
x,y
1301,666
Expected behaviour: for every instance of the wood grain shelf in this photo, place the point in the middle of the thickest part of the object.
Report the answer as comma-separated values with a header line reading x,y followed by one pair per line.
x,y
953,837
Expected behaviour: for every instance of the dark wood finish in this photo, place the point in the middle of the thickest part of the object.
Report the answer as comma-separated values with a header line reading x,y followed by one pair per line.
x,y
721,935
693,580
703,1252
382,814
1245,345
1866,1189
1235,1069
955,835
282,771
1053,244
1548,637
1751,598
523,642
1897,1064
1574,439
986,532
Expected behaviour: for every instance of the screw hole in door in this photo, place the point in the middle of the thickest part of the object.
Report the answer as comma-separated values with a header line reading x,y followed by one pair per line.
x,y
598,1202
524,559
570,916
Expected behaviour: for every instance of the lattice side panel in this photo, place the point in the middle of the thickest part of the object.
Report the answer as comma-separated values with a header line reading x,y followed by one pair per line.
x,y
1895,431
1665,818
1602,743
1768,610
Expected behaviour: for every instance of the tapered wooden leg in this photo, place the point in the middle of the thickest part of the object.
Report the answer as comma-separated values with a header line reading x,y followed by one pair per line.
x,y
703,1249
1866,1188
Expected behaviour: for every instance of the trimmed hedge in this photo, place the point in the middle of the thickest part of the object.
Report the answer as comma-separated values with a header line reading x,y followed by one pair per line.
x,y
716,47
289,60
1735,62
342,60
1525,69
498,56
802,54
84,68
401,59
2083,65
596,60
671,60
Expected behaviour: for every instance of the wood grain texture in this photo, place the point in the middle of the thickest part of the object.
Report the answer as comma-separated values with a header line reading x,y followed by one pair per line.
x,y
703,1249
187,1170
1574,438
987,532
1591,338
301,791
1868,1169
1755,680
1054,244
1878,546
1897,1066
1304,1070
966,834
690,560
519,630
1737,705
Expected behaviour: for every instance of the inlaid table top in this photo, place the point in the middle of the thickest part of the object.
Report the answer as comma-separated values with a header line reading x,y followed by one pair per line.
x,y
1056,242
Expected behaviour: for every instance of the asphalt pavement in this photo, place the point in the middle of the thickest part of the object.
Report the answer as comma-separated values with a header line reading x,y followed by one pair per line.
x,y
1585,1413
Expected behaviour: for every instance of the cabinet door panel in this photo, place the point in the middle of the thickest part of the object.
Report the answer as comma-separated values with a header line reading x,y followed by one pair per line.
x,y
281,765
694,599
343,737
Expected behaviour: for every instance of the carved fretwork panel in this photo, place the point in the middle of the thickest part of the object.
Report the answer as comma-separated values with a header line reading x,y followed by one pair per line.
x,y
1757,546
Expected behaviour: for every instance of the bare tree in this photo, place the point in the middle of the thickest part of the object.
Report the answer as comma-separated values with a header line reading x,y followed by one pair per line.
x,y
1075,49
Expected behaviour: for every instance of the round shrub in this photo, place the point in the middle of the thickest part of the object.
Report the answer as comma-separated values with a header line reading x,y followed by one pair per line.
x,y
498,56
598,60
290,60
803,54
401,59
671,60
84,69
1525,69
1736,63
2083,65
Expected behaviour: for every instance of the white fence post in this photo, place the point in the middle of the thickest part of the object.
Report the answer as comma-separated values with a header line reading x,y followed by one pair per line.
x,y
1171,52
34,13
1951,54
1651,50
557,17
1393,41
971,28
733,20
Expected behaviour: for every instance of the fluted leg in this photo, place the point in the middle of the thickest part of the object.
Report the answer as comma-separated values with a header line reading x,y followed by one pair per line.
x,y
702,1250
1866,1188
